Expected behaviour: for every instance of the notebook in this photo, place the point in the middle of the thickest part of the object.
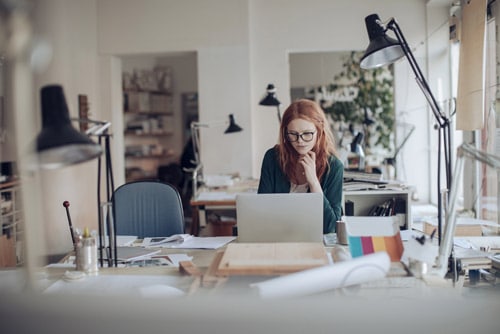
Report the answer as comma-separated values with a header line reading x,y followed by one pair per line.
x,y
289,217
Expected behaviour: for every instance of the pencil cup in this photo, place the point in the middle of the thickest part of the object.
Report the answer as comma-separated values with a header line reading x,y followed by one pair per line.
x,y
86,256
341,233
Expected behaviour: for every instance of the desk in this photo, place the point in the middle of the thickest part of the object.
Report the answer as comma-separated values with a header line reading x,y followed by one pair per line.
x,y
217,198
375,307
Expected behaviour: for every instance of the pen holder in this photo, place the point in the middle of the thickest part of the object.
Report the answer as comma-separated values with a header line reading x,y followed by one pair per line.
x,y
86,256
341,233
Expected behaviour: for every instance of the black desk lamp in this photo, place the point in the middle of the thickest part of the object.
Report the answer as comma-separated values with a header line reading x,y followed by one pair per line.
x,y
271,100
195,137
357,148
384,50
59,143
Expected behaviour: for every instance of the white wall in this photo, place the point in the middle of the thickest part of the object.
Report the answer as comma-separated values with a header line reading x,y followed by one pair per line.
x,y
71,28
242,46
314,69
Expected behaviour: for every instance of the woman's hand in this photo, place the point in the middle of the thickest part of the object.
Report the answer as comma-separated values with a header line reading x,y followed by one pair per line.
x,y
308,162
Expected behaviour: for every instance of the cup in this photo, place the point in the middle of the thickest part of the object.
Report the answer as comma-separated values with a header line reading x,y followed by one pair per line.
x,y
86,255
341,233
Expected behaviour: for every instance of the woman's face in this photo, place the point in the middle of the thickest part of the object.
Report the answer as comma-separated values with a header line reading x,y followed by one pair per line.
x,y
302,135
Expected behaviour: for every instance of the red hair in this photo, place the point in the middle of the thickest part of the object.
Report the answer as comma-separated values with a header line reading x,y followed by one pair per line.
x,y
325,146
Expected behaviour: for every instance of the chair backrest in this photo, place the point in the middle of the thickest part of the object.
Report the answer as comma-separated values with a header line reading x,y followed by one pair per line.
x,y
148,209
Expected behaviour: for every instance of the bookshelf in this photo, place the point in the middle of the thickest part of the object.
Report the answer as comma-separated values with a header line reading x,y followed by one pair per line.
x,y
363,202
149,131
11,237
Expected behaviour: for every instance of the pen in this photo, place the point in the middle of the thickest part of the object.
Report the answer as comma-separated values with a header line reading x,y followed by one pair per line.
x,y
66,205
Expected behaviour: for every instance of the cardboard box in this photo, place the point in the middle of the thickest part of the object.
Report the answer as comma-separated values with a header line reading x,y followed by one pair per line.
x,y
368,235
465,227
7,252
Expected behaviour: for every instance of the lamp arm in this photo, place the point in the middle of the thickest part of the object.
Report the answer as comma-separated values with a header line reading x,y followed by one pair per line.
x,y
421,81
441,119
403,143
195,136
99,128
464,151
473,153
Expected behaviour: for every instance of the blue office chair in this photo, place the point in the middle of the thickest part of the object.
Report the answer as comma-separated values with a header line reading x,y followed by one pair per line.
x,y
148,209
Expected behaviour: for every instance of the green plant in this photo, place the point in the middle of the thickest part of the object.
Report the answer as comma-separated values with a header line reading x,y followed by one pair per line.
x,y
374,101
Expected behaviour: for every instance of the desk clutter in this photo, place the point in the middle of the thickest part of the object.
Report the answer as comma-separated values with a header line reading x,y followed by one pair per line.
x,y
373,249
367,235
271,258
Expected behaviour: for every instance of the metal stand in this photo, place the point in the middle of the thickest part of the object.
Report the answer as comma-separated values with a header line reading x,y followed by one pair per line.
x,y
106,221
443,123
464,151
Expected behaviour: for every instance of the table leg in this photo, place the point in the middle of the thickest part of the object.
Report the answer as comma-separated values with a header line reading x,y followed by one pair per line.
x,y
195,220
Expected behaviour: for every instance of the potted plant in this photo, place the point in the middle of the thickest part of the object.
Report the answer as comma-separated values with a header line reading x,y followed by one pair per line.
x,y
361,100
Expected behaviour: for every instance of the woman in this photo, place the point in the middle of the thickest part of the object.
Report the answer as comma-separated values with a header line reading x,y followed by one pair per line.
x,y
305,160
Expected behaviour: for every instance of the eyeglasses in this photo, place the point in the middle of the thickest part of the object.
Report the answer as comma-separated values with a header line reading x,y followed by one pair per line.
x,y
305,136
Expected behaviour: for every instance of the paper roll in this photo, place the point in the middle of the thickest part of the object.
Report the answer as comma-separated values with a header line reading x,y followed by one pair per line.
x,y
359,270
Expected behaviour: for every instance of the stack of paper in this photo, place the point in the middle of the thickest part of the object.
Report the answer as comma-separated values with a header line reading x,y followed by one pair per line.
x,y
187,241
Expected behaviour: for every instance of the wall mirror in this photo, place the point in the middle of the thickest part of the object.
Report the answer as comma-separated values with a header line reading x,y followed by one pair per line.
x,y
359,103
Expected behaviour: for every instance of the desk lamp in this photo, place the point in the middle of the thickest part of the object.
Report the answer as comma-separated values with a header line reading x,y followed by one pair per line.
x,y
195,126
357,148
59,143
383,50
271,100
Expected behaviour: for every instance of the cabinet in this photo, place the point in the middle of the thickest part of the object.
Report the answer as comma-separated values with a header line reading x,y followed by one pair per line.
x,y
361,202
149,128
11,238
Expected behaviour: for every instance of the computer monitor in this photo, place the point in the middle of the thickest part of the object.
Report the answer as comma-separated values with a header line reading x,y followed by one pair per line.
x,y
284,217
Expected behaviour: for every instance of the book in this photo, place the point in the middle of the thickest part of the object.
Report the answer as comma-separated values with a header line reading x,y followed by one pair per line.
x,y
363,176
464,227
187,241
157,241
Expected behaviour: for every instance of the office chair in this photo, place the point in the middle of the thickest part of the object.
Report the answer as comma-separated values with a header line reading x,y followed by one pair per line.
x,y
148,209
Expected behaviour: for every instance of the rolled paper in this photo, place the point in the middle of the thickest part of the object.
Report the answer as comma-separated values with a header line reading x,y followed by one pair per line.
x,y
338,275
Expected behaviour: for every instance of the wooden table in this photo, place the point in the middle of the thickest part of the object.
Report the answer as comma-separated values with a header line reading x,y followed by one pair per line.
x,y
217,198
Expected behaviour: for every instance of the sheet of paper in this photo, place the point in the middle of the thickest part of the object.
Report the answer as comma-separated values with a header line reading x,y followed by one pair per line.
x,y
200,243
121,240
215,196
176,258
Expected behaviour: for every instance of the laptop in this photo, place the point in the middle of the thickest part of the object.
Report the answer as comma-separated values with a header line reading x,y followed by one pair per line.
x,y
288,217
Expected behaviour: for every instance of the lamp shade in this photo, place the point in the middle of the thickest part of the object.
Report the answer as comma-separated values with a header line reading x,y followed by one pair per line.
x,y
59,143
233,127
382,49
270,98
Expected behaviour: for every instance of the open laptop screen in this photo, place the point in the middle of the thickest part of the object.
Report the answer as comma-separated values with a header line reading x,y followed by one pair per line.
x,y
286,217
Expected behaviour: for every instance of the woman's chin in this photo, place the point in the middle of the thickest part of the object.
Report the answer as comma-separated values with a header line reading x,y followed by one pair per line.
x,y
302,150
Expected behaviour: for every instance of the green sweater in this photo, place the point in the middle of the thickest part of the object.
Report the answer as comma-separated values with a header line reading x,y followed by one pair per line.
x,y
273,180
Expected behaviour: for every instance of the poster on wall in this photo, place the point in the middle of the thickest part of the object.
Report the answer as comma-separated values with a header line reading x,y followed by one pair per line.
x,y
471,93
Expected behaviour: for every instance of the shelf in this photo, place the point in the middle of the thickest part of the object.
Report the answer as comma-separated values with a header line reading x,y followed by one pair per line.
x,y
364,200
151,156
11,232
148,102
151,91
148,113
150,134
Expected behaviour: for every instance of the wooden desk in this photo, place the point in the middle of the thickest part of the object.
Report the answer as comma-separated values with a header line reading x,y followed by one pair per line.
x,y
217,198
207,262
